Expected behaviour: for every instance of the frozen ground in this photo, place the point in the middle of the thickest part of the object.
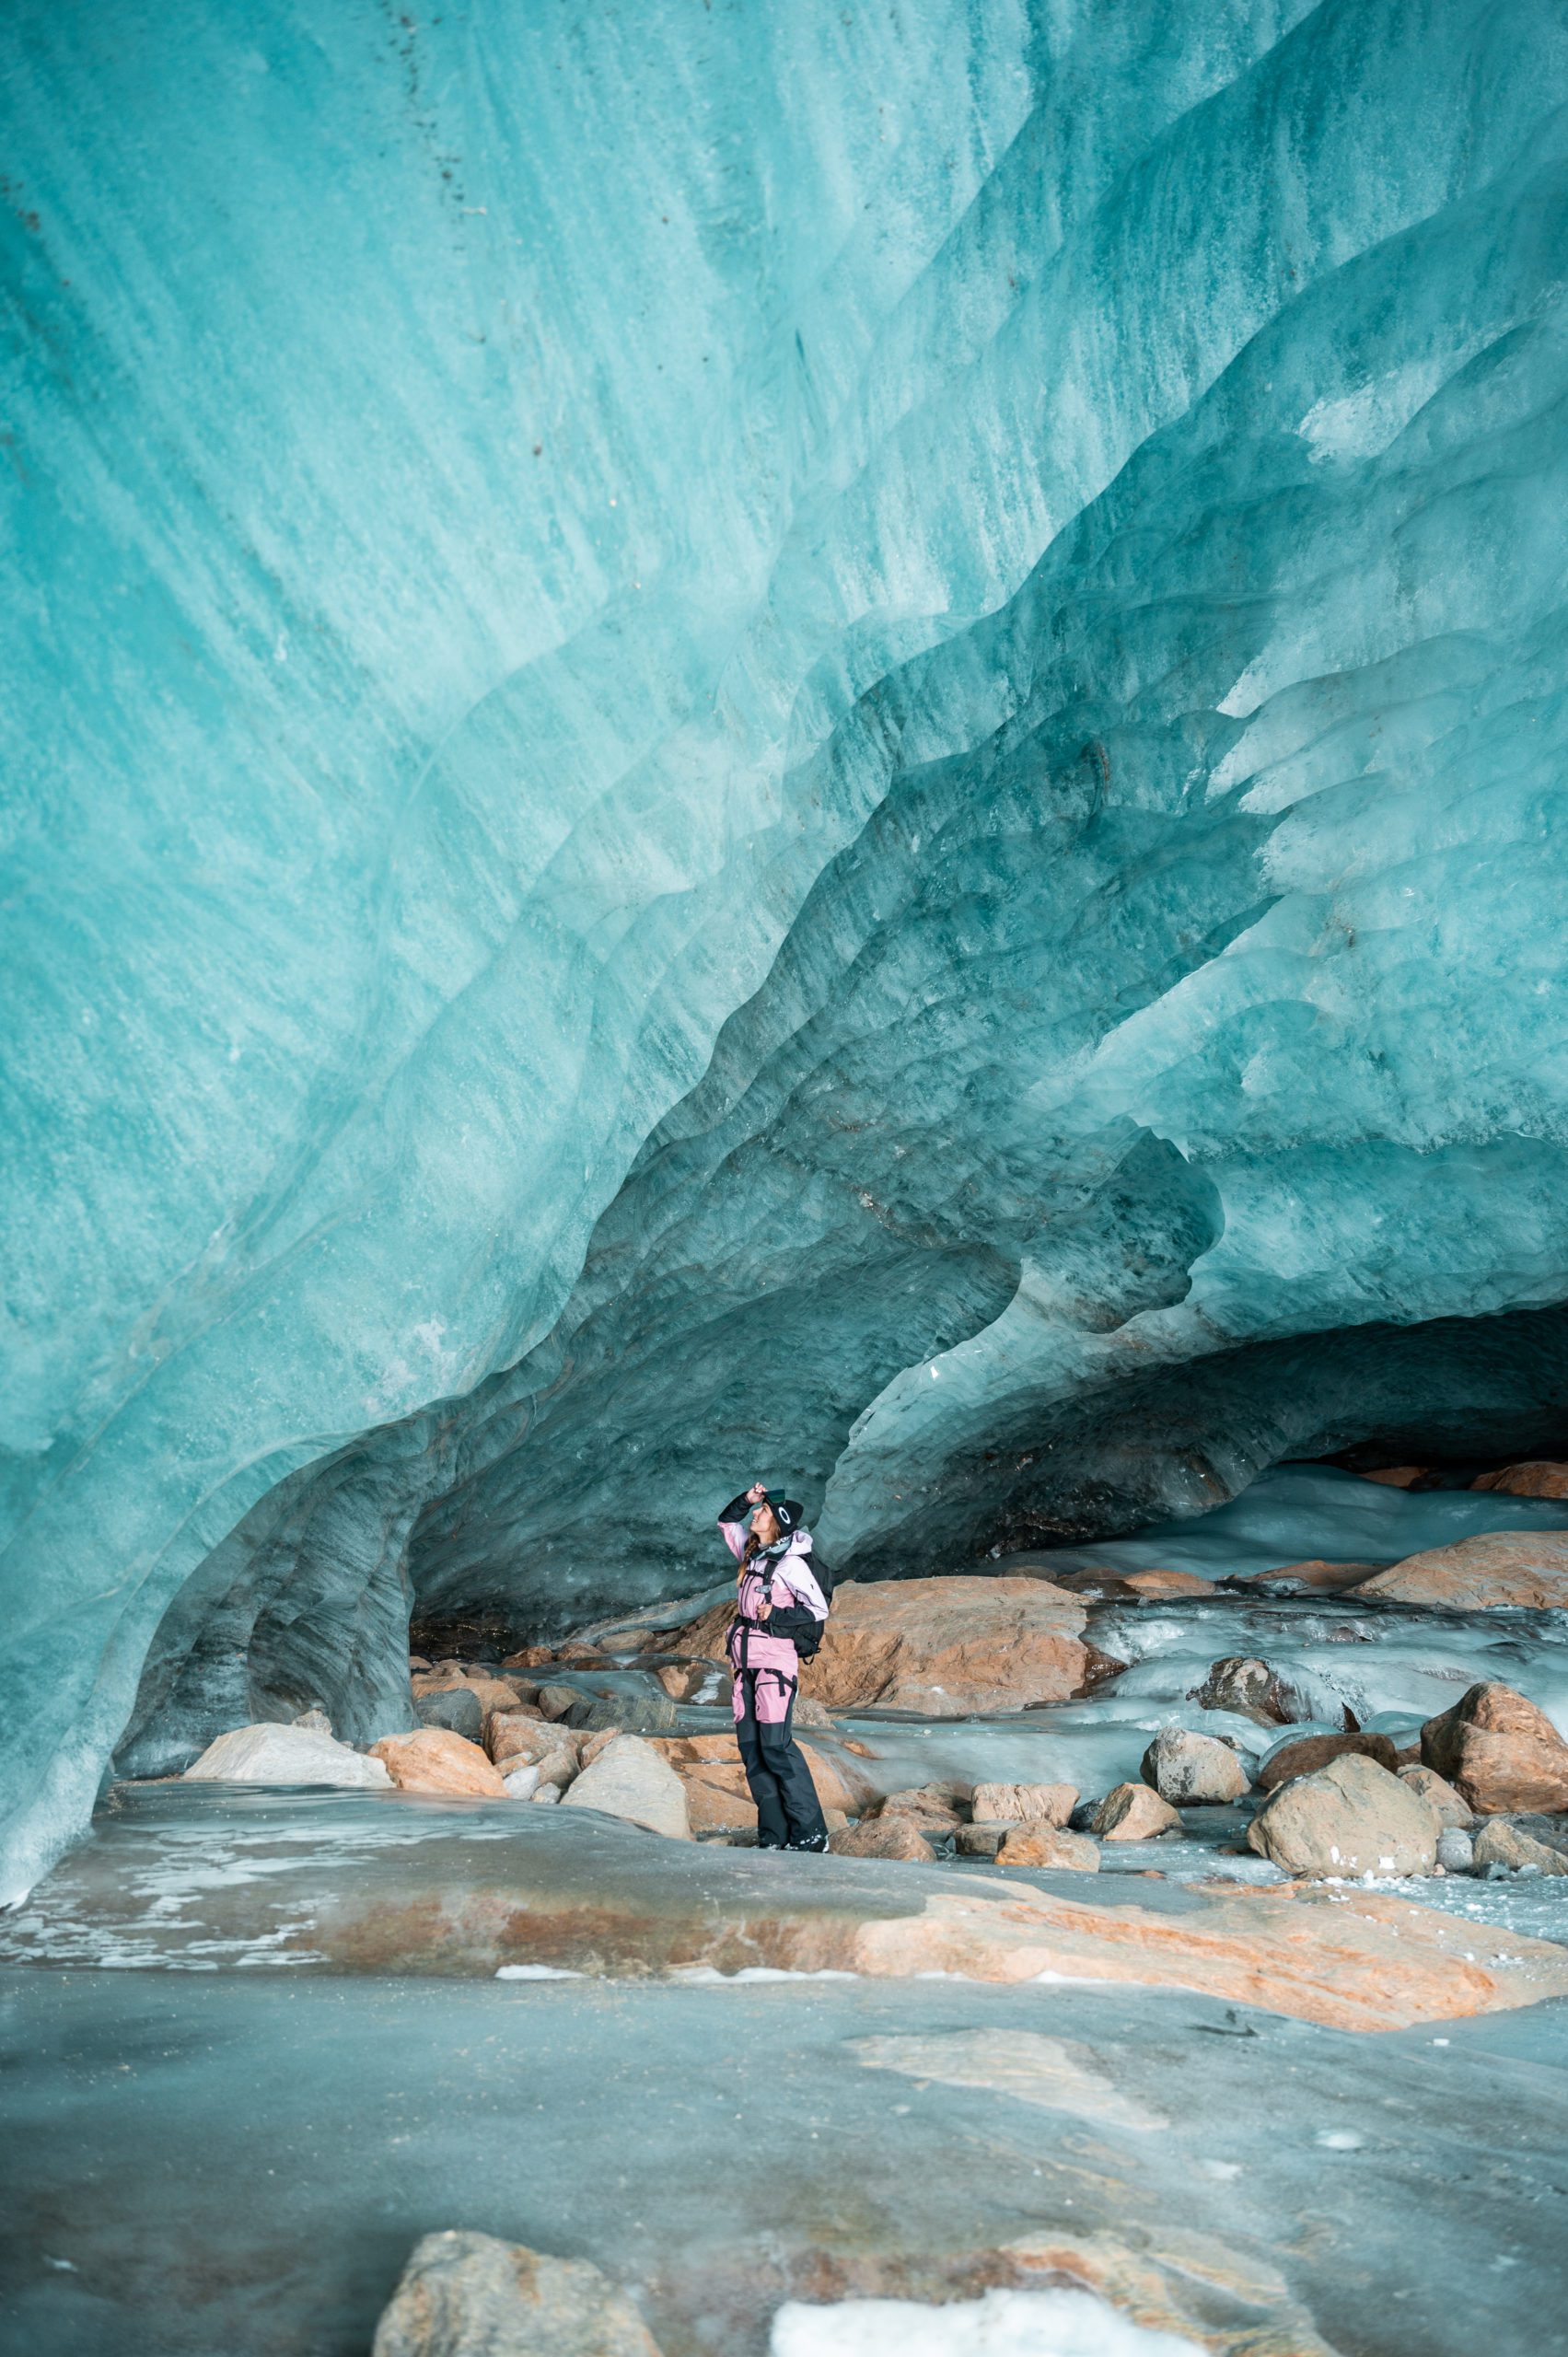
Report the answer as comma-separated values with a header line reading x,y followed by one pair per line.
x,y
241,2163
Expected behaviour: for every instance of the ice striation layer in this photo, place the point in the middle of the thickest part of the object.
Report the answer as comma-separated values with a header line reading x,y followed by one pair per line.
x,y
754,738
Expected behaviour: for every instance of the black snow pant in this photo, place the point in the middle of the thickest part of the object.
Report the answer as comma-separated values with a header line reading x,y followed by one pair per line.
x,y
789,1814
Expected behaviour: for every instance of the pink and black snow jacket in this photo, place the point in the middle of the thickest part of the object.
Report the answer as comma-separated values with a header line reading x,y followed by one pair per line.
x,y
783,1575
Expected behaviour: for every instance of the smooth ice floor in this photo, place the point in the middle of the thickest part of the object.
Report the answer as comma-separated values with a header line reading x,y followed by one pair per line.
x,y
199,2167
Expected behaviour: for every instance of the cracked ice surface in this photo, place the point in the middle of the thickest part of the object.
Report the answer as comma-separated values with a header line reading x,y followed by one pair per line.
x,y
888,680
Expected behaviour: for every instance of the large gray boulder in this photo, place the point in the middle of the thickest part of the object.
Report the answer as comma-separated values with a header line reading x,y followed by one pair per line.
x,y
1192,1770
1349,1818
631,1780
270,1754
471,2295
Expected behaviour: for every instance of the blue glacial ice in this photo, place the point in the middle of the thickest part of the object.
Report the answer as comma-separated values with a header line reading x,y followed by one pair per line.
x,y
807,737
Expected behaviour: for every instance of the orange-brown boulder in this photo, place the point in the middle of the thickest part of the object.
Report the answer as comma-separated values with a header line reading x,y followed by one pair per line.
x,y
1049,1845
1159,1585
1310,1752
942,1806
514,1735
1540,1477
1397,1477
434,1762
879,1837
946,1647
1348,1818
1132,1813
1528,1568
1501,1751
1023,1804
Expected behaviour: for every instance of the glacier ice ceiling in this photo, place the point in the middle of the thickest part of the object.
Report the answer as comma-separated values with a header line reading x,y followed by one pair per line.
x,y
822,738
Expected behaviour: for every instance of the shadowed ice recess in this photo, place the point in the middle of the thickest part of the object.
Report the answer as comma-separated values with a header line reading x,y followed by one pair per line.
x,y
827,747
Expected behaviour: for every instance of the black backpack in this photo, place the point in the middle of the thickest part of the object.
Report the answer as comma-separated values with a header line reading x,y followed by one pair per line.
x,y
797,1621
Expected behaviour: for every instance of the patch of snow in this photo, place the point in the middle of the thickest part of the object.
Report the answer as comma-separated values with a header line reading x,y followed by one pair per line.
x,y
1003,2324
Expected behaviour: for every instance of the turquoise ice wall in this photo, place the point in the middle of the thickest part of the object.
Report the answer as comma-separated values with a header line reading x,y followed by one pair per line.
x,y
736,731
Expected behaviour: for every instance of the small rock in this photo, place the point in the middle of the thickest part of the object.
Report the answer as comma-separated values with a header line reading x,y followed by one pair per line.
x,y
884,1837
315,1719
1503,1843
937,1807
1192,1770
1309,1752
272,1754
1501,1752
600,1741
1023,1804
456,1710
472,2295
555,1702
521,1781
979,1839
810,1712
1350,1818
417,1661
1456,1850
1248,1687
435,1760
1450,1808
1048,1845
547,1793
1132,1813
630,1780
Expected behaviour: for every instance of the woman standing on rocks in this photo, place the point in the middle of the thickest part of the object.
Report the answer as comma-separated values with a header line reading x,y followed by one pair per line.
x,y
777,1591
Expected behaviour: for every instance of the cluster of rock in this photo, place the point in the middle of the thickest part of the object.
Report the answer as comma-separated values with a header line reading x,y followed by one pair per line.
x,y
1488,1794
1016,1825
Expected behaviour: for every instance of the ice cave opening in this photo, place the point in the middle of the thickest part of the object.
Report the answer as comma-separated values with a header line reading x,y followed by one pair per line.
x,y
803,740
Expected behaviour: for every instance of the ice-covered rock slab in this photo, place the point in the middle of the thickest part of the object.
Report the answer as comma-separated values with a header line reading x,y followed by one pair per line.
x,y
279,1755
430,1887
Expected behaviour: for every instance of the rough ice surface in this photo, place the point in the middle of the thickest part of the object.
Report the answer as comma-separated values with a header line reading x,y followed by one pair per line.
x,y
1373,2203
1002,2324
815,738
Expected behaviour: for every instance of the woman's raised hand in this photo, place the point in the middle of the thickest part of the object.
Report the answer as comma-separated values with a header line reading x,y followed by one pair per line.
x,y
757,1493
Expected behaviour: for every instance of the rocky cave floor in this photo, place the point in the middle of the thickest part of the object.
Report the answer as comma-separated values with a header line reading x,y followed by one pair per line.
x,y
259,2040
